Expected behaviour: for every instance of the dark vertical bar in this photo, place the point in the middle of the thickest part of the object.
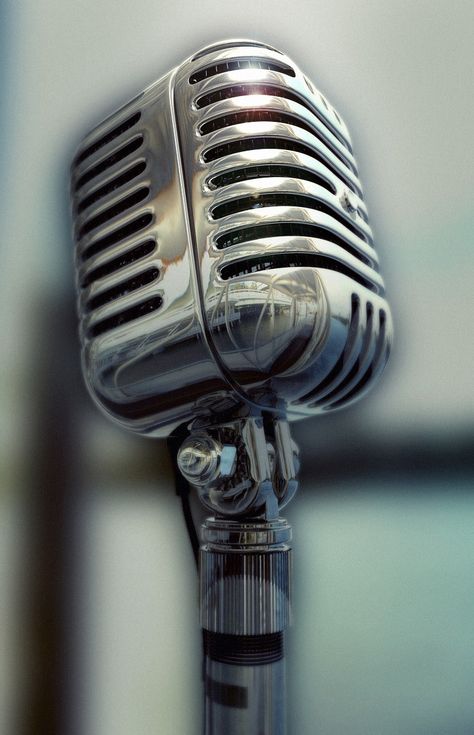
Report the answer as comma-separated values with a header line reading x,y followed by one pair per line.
x,y
53,512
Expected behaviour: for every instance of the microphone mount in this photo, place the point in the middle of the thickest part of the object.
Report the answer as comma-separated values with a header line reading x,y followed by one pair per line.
x,y
243,468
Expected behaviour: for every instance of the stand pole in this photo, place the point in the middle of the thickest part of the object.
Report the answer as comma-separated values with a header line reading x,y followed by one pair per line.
x,y
245,609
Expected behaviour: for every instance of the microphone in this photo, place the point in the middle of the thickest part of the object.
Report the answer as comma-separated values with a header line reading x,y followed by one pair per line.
x,y
223,252
228,285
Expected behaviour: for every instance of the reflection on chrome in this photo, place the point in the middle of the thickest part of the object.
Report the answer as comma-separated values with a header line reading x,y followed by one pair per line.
x,y
223,251
228,283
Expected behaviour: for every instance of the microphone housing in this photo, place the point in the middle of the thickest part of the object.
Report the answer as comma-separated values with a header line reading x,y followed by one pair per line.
x,y
225,264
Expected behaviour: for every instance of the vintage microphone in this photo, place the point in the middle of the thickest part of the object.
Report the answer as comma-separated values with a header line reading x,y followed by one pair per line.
x,y
228,285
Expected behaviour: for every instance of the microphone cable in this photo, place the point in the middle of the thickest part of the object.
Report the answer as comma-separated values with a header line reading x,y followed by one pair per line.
x,y
183,491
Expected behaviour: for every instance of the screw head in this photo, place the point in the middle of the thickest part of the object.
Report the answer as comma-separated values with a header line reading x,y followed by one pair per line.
x,y
202,460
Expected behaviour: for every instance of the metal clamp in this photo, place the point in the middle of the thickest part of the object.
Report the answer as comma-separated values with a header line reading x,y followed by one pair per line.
x,y
239,469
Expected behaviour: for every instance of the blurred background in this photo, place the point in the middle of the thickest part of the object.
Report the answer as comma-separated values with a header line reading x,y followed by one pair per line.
x,y
98,602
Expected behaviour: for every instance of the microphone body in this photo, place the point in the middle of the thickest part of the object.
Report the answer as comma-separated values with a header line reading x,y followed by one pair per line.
x,y
224,259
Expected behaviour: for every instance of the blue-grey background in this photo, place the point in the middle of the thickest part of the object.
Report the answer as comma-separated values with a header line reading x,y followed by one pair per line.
x,y
98,621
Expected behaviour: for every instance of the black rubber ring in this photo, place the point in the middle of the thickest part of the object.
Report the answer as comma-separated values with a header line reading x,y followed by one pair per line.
x,y
243,650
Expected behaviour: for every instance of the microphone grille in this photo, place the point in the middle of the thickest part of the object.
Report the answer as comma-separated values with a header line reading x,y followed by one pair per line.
x,y
265,138
111,194
274,189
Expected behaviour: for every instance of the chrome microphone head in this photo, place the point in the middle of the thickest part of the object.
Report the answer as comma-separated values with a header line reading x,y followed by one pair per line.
x,y
224,259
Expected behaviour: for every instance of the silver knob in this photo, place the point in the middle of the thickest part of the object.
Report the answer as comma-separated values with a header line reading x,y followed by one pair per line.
x,y
202,460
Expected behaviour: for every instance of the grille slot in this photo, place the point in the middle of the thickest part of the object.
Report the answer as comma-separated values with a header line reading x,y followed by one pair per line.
x,y
109,161
247,116
282,200
347,350
121,206
379,348
108,137
128,315
120,234
267,171
124,288
356,366
284,229
123,178
129,257
235,64
270,261
239,90
256,143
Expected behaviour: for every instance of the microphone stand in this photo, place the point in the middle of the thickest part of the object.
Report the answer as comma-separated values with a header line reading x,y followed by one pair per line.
x,y
244,471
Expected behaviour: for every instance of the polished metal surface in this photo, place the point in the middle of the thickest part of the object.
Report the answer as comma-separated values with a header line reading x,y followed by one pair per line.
x,y
241,468
245,587
224,534
245,590
244,571
202,460
244,700
224,261
228,283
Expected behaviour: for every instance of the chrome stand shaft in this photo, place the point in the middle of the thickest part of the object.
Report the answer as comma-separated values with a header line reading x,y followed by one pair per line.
x,y
244,700
245,608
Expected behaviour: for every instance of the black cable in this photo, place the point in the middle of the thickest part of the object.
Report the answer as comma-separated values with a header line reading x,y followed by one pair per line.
x,y
183,490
